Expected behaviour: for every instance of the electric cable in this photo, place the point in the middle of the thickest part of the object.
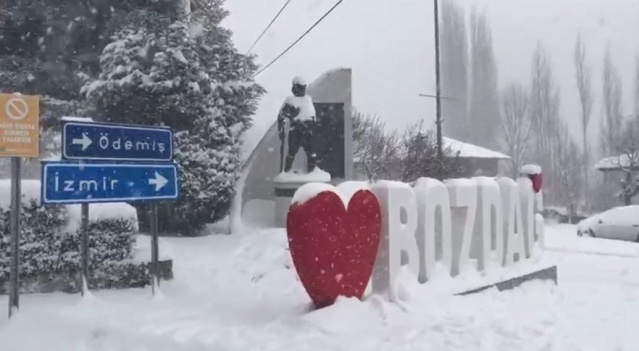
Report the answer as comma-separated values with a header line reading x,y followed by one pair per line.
x,y
298,39
269,26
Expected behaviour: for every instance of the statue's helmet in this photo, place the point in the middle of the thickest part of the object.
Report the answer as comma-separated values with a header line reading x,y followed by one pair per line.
x,y
299,81
299,86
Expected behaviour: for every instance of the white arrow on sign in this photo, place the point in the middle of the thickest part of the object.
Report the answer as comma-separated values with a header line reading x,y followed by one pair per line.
x,y
85,141
159,181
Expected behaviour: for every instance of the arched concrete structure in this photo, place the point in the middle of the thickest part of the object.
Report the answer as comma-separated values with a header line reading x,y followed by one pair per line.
x,y
255,193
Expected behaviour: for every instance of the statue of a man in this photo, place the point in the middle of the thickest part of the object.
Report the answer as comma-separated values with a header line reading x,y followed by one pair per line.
x,y
296,125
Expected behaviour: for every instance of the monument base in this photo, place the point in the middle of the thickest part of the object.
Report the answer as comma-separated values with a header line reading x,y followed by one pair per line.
x,y
549,274
286,184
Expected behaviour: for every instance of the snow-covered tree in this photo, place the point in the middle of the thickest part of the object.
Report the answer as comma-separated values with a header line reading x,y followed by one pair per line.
x,y
636,91
545,103
483,115
41,53
584,88
612,122
375,148
418,156
186,75
50,47
46,43
454,70
515,124
570,176
628,160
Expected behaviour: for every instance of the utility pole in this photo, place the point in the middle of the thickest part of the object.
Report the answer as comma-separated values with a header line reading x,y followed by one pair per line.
x,y
438,116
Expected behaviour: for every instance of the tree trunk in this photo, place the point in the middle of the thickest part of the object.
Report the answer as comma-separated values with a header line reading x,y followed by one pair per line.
x,y
627,197
571,212
586,189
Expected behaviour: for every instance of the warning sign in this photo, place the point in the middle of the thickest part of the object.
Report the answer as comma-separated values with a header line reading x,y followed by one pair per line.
x,y
19,125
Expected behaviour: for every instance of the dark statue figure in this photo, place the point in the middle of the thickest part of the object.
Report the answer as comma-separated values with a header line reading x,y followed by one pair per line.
x,y
297,123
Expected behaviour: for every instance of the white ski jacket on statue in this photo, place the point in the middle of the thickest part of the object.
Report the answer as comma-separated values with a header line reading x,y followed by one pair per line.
x,y
305,106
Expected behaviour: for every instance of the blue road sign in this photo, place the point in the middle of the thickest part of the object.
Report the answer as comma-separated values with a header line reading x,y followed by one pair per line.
x,y
74,183
114,142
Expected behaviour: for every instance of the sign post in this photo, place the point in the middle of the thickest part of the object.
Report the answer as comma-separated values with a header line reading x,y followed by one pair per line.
x,y
93,171
85,247
155,282
19,137
14,280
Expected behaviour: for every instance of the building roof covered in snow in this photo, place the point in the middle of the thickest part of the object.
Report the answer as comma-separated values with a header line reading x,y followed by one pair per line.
x,y
467,150
617,162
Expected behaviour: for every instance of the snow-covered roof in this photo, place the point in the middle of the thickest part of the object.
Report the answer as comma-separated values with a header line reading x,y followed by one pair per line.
x,y
617,162
467,150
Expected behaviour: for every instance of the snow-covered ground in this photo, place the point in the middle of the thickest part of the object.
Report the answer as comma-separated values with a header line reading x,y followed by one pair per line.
x,y
241,293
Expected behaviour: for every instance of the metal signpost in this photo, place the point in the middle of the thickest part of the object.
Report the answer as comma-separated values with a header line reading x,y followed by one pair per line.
x,y
92,171
19,137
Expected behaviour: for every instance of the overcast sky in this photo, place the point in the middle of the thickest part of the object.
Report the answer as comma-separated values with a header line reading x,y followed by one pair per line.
x,y
390,47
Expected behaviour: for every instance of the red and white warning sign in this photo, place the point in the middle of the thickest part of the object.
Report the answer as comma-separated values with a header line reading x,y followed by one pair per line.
x,y
19,125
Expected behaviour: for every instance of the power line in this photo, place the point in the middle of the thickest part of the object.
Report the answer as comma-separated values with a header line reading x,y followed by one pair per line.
x,y
269,26
298,39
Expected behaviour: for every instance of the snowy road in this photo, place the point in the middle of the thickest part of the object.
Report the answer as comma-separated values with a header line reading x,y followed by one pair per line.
x,y
235,293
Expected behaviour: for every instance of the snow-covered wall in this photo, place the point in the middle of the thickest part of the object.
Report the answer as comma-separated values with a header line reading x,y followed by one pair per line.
x,y
336,86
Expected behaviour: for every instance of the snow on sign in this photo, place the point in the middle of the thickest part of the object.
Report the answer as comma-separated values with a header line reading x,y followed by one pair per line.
x,y
75,183
19,125
113,142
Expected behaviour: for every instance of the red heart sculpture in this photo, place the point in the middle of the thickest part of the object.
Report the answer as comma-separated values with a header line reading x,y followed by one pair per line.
x,y
333,248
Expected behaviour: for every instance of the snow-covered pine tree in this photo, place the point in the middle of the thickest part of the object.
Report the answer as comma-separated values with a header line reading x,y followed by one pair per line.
x,y
454,70
50,48
186,75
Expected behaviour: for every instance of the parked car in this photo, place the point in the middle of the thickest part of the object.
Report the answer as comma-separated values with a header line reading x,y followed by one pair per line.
x,y
619,223
560,215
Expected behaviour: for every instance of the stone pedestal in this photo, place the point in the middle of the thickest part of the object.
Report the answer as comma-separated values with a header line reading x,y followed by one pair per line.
x,y
285,185
284,192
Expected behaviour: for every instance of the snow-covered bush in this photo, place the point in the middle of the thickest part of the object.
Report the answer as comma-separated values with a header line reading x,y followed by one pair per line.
x,y
159,71
45,247
125,274
110,240
419,156
39,238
